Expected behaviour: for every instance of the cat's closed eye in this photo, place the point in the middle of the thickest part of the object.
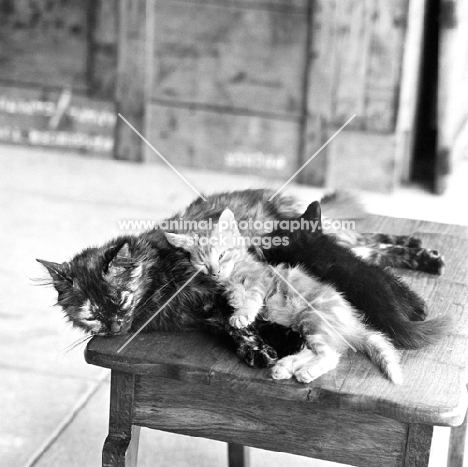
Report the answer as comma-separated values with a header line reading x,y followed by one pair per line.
x,y
222,254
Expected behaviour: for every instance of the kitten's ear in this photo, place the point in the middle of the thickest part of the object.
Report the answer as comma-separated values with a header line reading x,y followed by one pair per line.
x,y
313,212
179,240
227,223
57,271
115,257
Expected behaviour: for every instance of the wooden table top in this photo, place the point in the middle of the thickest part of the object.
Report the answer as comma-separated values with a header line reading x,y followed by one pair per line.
x,y
435,378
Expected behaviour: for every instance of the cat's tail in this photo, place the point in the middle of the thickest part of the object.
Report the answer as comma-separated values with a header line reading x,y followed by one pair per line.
x,y
418,334
381,352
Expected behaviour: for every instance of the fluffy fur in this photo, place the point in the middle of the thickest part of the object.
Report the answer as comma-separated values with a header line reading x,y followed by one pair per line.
x,y
388,304
286,295
114,288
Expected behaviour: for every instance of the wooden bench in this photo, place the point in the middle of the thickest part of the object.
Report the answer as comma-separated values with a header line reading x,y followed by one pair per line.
x,y
194,384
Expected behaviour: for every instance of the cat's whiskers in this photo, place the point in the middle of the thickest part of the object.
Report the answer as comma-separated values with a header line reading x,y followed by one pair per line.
x,y
76,344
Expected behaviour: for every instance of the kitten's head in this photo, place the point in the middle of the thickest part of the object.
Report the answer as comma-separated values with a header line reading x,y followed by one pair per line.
x,y
217,253
311,229
99,288
313,214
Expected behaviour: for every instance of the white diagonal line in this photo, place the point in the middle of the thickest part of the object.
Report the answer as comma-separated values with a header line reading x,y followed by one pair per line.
x,y
310,160
159,311
312,308
161,156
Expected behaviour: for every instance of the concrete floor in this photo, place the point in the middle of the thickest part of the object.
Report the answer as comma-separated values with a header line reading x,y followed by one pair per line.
x,y
54,406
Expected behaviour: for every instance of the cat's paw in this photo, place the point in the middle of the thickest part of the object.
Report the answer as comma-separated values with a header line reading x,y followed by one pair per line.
x,y
431,261
240,321
280,372
307,374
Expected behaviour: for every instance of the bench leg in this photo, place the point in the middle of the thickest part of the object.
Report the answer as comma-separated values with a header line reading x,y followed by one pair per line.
x,y
238,456
457,445
121,445
418,445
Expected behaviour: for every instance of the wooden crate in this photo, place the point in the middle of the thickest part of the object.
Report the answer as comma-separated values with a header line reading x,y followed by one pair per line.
x,y
247,86
58,72
221,93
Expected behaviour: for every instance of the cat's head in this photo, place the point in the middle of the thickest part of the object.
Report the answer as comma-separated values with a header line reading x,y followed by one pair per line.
x,y
307,226
217,253
99,288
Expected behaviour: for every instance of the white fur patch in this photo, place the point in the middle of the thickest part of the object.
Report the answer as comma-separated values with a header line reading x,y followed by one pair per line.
x,y
363,252
85,311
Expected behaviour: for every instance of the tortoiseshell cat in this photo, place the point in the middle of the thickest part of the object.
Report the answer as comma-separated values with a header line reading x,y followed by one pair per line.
x,y
115,288
286,295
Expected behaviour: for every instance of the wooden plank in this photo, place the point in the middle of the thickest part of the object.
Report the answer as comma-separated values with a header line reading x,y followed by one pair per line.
x,y
130,84
121,445
64,120
102,48
223,141
320,432
230,54
43,43
361,160
418,446
357,47
410,84
457,446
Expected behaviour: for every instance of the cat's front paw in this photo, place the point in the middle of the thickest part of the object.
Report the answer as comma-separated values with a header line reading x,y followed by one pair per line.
x,y
307,374
280,372
432,261
240,321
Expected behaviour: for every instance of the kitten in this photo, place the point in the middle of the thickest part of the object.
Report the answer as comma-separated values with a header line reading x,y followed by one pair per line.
x,y
286,295
115,288
387,303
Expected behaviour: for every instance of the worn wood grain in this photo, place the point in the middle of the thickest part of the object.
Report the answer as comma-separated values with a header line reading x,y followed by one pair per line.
x,y
240,415
131,75
457,446
357,47
208,138
102,48
230,54
43,43
121,445
418,445
434,391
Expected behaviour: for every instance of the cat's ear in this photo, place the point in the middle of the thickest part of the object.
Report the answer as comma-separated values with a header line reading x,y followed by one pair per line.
x,y
313,212
116,257
227,223
179,240
57,271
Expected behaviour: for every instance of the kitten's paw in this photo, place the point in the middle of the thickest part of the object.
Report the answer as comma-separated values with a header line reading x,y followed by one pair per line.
x,y
280,372
307,374
240,321
432,261
412,242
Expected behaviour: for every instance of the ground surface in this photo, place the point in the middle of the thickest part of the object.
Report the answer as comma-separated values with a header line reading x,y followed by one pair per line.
x,y
54,406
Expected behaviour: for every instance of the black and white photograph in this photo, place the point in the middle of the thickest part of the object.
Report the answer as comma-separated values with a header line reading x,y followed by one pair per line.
x,y
234,233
